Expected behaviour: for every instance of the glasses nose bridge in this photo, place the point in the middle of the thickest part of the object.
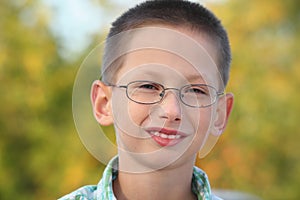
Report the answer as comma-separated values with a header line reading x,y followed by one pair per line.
x,y
163,93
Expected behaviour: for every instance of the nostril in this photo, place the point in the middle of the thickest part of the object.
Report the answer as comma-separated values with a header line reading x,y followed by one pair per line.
x,y
177,119
170,117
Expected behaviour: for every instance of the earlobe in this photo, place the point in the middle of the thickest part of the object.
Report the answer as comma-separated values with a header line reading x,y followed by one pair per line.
x,y
100,97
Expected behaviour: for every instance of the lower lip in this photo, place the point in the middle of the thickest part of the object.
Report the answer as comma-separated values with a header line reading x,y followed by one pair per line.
x,y
165,141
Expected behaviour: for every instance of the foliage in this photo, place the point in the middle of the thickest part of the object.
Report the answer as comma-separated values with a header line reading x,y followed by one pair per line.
x,y
38,145
42,157
258,152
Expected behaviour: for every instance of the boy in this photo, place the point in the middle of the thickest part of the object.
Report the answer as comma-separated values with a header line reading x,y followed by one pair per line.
x,y
164,72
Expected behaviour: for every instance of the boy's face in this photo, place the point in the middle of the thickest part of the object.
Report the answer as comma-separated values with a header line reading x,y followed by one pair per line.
x,y
168,132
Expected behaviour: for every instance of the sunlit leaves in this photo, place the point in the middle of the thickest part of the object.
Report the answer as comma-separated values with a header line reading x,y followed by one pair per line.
x,y
258,151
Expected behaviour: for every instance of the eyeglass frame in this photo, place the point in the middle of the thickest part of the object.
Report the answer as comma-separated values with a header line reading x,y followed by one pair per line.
x,y
218,93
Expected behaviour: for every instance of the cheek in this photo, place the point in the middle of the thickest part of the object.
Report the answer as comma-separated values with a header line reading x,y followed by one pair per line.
x,y
124,114
129,117
138,113
205,120
200,119
202,123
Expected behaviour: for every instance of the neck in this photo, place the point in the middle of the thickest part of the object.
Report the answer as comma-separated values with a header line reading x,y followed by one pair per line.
x,y
164,184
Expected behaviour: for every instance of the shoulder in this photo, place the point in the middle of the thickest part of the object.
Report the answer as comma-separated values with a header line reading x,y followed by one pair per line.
x,y
201,183
103,190
83,193
200,176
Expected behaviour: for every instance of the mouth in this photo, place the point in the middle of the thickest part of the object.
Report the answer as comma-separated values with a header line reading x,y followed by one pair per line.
x,y
166,137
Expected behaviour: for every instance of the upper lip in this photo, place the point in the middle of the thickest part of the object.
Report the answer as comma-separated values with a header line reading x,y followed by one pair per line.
x,y
166,131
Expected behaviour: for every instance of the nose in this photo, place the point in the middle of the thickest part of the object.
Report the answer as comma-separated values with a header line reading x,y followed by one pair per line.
x,y
170,107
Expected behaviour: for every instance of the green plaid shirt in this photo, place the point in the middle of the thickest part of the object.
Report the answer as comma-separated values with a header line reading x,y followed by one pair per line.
x,y
104,189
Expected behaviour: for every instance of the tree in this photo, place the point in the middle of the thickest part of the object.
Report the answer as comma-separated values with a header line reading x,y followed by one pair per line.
x,y
258,152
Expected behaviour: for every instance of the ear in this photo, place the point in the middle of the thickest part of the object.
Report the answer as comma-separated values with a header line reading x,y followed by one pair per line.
x,y
100,97
224,108
223,111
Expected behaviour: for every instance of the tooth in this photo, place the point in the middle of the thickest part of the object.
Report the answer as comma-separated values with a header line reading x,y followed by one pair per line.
x,y
177,136
162,135
172,136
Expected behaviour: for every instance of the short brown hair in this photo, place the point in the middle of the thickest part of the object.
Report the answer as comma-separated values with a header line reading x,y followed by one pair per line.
x,y
177,13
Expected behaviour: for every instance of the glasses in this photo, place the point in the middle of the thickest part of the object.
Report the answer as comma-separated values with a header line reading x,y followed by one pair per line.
x,y
148,92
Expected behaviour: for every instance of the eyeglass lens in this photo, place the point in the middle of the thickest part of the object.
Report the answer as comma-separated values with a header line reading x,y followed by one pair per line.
x,y
195,95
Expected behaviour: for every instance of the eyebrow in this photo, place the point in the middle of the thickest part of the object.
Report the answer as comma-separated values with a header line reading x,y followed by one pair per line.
x,y
194,77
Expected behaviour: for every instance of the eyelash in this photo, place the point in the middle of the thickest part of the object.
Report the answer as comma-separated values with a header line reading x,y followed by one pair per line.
x,y
197,90
147,86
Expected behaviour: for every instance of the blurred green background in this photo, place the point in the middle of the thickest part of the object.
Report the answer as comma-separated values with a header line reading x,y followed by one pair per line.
x,y
41,156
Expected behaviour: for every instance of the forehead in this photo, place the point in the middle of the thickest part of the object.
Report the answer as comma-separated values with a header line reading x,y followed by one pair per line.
x,y
171,51
157,65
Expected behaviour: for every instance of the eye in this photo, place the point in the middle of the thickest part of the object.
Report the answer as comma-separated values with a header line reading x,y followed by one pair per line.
x,y
196,90
149,86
